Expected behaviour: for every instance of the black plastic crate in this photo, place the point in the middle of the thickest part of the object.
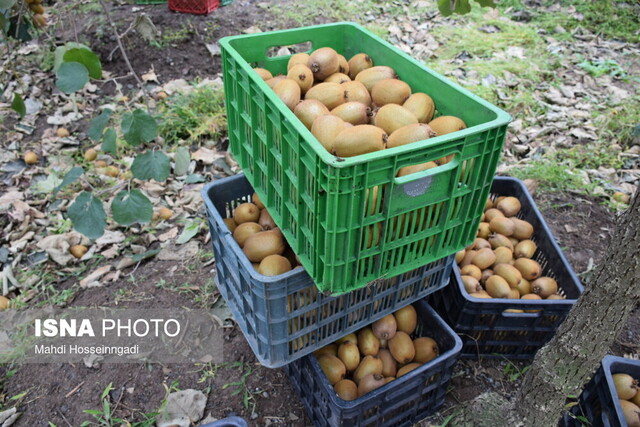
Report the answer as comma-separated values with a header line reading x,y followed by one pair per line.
x,y
401,402
285,317
598,402
485,326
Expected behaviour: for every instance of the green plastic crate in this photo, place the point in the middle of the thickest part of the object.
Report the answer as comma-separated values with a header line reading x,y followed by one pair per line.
x,y
321,202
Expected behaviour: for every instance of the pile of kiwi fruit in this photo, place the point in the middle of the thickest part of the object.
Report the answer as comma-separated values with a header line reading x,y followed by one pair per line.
x,y
260,238
36,7
354,107
361,362
499,263
629,396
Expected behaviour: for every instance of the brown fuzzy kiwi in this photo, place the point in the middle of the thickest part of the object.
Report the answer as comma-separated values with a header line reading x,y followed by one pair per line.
x,y
484,258
337,78
523,229
392,117
509,206
410,133
231,224
426,349
370,383
308,110
389,365
373,75
359,140
509,273
264,74
385,328
421,105
544,286
255,198
502,226
390,91
504,255
471,270
529,268
355,113
326,129
349,353
260,245
471,284
244,230
332,367
497,287
289,92
368,343
274,265
355,91
447,124
266,221
246,212
330,94
274,81
343,65
408,170
346,389
298,58
525,249
368,365
358,63
302,75
406,319
408,368
323,62
401,347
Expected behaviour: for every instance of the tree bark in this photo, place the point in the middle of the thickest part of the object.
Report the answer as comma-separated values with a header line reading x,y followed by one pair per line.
x,y
566,363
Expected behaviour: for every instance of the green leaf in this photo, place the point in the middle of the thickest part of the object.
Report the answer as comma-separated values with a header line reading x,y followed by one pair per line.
x,y
444,6
18,105
109,141
71,77
87,58
194,178
46,185
75,173
19,28
486,3
189,232
138,127
98,124
145,255
87,215
151,165
58,56
3,24
131,206
462,7
6,4
182,160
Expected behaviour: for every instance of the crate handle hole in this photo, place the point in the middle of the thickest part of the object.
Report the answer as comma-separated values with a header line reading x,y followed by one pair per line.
x,y
417,183
276,52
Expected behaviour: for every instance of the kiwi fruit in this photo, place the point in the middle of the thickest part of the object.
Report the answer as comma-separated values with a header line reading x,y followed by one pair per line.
x,y
471,284
472,270
524,287
368,343
635,399
529,268
332,367
411,133
389,367
373,75
385,328
260,245
460,255
245,230
484,230
78,251
468,257
392,117
447,124
298,58
330,349
555,296
426,349
368,365
289,92
355,113
355,91
330,94
359,140
302,75
231,224
525,249
421,105
274,265
481,295
255,199
246,212
343,65
352,337
484,259
370,383
502,225
346,389
408,368
274,81
500,240
492,213
509,273
514,294
337,78
40,20
631,413
480,243
358,63
406,319
4,303
497,287
390,91
264,74
544,286
523,229
326,129
308,110
323,62
401,347
531,296
626,386
504,255
265,220
509,206
349,353
408,170
486,273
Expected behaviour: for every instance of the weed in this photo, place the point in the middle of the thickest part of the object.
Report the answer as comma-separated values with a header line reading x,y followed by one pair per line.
x,y
599,67
552,175
193,116
241,387
105,417
512,372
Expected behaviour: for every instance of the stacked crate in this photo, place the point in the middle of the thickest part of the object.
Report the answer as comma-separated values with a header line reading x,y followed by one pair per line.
x,y
320,203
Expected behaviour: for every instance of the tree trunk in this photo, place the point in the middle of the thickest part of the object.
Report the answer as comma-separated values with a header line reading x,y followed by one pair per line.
x,y
566,363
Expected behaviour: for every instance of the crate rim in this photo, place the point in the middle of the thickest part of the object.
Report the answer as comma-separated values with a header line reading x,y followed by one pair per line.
x,y
502,117
228,239
553,242
350,404
607,363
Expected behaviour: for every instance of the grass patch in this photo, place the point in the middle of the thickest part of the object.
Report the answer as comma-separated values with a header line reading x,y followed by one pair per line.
x,y
552,175
194,116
